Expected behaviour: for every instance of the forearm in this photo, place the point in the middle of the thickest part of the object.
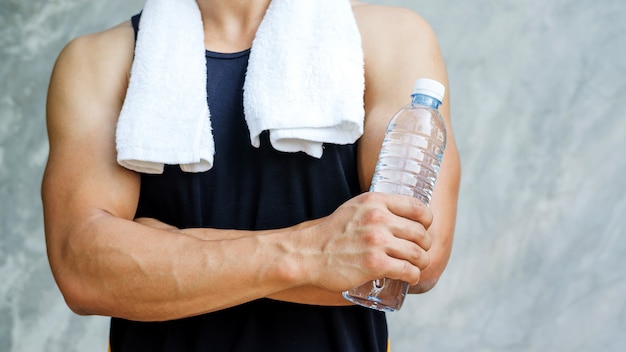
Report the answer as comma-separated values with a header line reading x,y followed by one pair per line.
x,y
116,267
304,295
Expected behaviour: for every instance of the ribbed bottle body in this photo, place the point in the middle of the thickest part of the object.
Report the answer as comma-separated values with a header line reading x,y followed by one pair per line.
x,y
411,154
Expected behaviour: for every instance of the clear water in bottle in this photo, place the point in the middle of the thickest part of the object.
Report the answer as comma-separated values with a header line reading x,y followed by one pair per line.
x,y
408,164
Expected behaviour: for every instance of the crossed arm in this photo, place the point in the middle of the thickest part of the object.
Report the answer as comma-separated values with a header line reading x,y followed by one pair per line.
x,y
108,263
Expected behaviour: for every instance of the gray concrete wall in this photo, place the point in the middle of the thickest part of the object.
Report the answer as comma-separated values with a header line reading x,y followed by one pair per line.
x,y
539,105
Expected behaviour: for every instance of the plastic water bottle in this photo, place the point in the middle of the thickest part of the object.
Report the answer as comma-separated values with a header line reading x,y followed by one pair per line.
x,y
408,164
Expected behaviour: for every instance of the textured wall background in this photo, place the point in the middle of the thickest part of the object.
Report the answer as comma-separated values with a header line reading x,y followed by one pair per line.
x,y
539,105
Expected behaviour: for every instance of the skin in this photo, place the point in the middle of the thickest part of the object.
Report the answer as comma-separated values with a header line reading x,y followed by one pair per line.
x,y
98,252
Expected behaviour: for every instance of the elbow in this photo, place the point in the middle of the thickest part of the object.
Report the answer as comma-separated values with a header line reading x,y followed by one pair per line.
x,y
74,289
429,278
76,295
70,258
77,307
423,286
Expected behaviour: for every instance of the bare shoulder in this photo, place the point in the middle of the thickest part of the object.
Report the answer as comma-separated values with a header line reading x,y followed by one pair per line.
x,y
98,61
91,70
399,47
385,20
86,94
110,43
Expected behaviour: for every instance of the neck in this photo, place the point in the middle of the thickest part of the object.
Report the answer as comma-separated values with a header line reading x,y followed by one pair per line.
x,y
230,25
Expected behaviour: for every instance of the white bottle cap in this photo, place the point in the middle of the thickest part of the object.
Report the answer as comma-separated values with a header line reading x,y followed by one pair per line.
x,y
429,87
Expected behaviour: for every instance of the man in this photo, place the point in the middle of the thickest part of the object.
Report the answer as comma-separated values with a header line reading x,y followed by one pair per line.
x,y
119,244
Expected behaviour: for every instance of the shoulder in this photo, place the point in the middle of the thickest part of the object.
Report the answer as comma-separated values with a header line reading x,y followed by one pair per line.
x,y
90,74
115,41
393,32
390,22
399,47
94,57
93,67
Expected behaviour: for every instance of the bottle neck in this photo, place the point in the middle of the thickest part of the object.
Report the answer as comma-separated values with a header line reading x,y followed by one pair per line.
x,y
425,100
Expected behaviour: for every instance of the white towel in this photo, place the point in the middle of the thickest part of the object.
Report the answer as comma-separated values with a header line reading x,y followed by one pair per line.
x,y
304,84
305,77
165,117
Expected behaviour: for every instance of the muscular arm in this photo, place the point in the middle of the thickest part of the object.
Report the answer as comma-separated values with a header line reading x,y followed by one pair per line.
x,y
104,262
107,264
400,47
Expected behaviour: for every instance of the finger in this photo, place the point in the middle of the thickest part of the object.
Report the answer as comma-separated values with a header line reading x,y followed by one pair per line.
x,y
410,208
410,252
404,271
412,231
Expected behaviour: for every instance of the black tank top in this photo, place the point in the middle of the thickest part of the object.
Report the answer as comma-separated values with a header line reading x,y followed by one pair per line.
x,y
251,189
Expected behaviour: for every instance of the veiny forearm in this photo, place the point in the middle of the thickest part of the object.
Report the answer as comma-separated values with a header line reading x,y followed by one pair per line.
x,y
120,268
304,295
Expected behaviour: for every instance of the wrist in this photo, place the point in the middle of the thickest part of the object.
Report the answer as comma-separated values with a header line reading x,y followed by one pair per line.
x,y
294,266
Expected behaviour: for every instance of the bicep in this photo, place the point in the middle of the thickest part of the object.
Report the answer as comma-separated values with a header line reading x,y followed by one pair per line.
x,y
395,57
84,98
